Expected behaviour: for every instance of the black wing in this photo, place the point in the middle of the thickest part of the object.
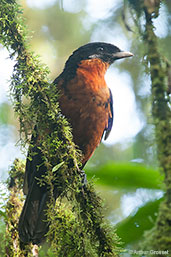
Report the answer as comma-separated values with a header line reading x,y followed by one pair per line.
x,y
110,120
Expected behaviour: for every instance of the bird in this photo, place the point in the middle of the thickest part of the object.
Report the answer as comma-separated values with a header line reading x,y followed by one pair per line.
x,y
86,101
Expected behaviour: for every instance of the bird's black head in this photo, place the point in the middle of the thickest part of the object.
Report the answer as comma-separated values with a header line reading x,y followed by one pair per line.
x,y
106,52
98,50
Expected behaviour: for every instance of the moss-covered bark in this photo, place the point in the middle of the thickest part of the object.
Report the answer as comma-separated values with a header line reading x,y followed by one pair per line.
x,y
13,209
79,228
160,237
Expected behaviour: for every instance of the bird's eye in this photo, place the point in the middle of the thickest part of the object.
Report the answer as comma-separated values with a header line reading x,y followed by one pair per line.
x,y
100,49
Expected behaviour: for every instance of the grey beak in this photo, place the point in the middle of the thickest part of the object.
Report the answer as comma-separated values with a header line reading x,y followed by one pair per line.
x,y
122,54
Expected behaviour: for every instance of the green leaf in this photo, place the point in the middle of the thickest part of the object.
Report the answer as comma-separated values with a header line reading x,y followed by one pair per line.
x,y
56,167
126,176
132,228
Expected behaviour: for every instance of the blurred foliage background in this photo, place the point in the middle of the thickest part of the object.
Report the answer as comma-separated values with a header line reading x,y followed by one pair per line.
x,y
125,168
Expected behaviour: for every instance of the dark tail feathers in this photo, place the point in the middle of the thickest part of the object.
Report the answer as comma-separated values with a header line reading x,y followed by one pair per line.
x,y
33,223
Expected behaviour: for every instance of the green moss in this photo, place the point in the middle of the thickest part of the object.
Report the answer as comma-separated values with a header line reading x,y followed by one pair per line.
x,y
159,238
13,209
81,228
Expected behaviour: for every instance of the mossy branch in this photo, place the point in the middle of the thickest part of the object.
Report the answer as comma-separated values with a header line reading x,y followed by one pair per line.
x,y
160,236
79,229
13,209
160,99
